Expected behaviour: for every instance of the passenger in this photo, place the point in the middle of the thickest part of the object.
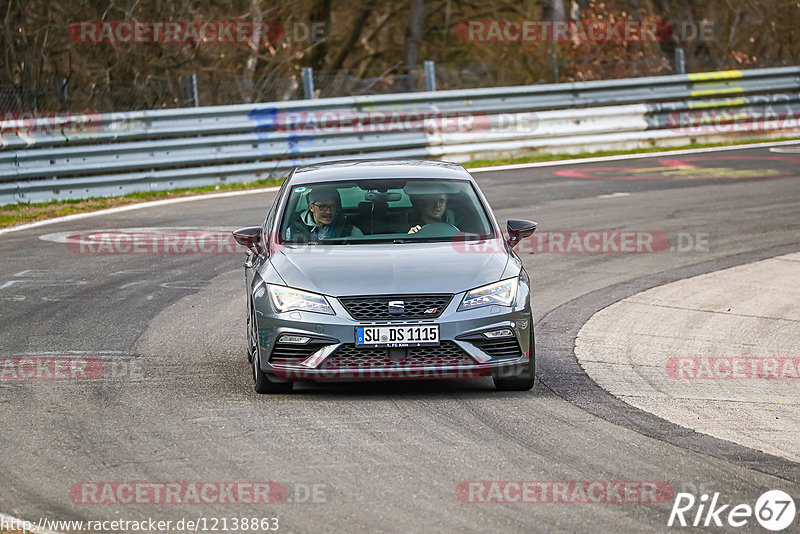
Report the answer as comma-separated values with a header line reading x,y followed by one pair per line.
x,y
323,219
428,209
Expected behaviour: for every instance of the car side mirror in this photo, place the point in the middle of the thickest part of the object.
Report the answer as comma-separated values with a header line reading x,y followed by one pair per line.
x,y
519,229
249,237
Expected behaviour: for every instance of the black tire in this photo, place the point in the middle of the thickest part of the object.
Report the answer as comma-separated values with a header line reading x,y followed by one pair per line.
x,y
261,381
521,383
262,384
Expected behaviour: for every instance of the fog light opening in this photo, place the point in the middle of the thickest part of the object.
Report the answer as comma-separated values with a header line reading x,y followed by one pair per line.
x,y
502,332
295,340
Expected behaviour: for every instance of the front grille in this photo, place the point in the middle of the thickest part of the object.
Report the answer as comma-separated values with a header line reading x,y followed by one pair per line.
x,y
504,347
293,353
350,356
377,308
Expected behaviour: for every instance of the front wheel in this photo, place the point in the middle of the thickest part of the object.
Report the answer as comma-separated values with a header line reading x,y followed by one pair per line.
x,y
525,380
261,382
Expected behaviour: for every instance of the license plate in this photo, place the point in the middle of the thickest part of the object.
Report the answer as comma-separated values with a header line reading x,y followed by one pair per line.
x,y
407,335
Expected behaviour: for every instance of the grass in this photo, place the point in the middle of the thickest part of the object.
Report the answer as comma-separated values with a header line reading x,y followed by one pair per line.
x,y
14,214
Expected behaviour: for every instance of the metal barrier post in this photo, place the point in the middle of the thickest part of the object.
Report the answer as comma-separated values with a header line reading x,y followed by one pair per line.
x,y
555,66
191,89
308,83
430,76
680,61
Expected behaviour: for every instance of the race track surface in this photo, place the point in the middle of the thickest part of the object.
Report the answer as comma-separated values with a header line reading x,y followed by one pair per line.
x,y
175,401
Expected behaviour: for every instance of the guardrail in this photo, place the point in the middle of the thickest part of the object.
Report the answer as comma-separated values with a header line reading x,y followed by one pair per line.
x,y
110,154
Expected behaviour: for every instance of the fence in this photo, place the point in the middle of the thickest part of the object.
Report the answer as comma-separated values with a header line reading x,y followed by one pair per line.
x,y
118,153
175,88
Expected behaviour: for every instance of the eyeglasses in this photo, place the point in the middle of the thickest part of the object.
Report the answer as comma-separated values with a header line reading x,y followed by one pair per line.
x,y
438,201
326,207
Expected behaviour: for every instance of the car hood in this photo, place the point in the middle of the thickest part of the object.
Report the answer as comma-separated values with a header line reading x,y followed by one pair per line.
x,y
383,269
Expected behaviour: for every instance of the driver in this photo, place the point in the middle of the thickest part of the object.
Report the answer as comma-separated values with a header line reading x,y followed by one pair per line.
x,y
428,209
324,219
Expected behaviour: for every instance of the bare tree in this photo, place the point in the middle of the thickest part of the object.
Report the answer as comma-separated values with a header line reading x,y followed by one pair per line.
x,y
355,34
371,40
554,10
320,13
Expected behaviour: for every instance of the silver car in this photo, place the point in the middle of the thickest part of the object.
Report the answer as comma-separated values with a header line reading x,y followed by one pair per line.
x,y
369,270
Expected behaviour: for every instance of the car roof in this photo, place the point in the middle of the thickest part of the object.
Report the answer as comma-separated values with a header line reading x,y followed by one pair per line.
x,y
372,169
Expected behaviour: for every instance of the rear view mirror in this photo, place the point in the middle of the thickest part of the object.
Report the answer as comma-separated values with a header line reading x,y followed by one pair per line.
x,y
519,229
372,196
249,237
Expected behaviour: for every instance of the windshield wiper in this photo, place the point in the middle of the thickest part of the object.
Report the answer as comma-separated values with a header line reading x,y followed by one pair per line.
x,y
430,240
329,241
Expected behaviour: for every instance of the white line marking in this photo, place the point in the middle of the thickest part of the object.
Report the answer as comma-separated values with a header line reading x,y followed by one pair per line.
x,y
10,283
131,284
183,284
130,271
34,273
628,156
614,195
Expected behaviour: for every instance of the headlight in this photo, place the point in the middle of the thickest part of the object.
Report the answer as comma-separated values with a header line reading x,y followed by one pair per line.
x,y
500,293
289,299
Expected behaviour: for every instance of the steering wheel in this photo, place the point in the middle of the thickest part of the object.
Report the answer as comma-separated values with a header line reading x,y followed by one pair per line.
x,y
437,229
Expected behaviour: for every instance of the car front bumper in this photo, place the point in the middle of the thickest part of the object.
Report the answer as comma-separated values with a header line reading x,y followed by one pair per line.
x,y
331,353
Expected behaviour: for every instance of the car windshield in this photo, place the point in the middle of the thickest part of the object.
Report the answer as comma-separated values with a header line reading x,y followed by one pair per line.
x,y
384,210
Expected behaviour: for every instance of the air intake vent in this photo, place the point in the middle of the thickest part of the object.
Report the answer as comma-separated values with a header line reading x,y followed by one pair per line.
x,y
414,307
292,353
504,347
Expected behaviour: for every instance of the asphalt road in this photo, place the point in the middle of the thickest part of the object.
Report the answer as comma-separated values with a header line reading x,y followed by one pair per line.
x,y
179,404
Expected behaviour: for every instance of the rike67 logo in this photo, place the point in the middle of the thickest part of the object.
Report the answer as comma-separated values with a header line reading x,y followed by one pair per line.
x,y
774,510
